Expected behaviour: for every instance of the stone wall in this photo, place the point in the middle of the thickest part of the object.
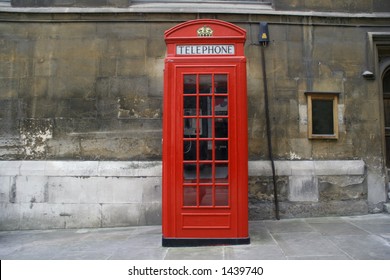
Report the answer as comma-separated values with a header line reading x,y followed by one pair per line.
x,y
93,90
308,188
349,6
77,194
70,3
89,87
82,194
81,90
345,6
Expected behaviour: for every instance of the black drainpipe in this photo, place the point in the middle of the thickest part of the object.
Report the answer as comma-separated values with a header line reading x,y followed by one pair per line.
x,y
264,40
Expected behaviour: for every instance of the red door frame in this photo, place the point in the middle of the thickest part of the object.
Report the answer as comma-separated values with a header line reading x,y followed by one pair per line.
x,y
190,226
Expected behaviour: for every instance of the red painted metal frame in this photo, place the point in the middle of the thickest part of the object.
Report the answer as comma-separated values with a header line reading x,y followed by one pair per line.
x,y
205,222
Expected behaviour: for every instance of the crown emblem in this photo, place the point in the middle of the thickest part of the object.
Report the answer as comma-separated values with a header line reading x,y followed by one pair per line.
x,y
205,31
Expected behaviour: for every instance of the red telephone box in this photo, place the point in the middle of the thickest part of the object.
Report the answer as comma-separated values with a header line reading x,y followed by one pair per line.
x,y
205,150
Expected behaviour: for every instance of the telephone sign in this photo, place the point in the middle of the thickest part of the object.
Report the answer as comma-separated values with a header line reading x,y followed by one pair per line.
x,y
205,157
205,50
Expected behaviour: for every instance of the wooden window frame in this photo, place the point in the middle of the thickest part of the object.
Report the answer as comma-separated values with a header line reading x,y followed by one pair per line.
x,y
333,96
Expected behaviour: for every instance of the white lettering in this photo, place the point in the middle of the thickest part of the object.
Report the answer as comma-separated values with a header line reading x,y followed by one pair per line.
x,y
205,50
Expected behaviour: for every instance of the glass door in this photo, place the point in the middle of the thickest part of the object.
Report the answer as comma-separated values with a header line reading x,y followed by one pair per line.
x,y
208,200
205,140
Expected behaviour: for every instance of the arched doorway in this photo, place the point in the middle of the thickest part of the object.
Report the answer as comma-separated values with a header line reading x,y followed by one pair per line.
x,y
386,104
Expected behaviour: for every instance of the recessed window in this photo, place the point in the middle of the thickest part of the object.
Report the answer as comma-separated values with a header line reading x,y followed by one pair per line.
x,y
322,115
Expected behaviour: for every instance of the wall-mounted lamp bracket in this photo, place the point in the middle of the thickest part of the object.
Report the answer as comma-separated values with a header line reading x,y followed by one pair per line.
x,y
264,34
368,75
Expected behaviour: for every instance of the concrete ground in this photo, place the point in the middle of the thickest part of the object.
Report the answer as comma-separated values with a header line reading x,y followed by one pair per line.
x,y
326,238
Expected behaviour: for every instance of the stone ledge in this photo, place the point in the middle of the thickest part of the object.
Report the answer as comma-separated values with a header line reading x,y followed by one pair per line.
x,y
169,8
306,167
227,8
154,168
81,168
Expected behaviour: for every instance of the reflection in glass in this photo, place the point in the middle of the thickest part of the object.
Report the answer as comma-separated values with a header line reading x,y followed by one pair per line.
x,y
205,150
189,84
221,127
221,106
206,128
221,150
205,83
189,105
221,171
221,196
206,171
189,172
189,150
220,81
189,196
189,127
205,196
205,105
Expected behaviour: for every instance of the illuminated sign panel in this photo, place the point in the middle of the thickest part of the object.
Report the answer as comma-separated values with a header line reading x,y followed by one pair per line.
x,y
205,50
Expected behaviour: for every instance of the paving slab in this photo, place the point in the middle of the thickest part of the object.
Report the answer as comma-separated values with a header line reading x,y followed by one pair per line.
x,y
307,245
326,238
386,236
195,253
260,235
338,229
139,254
378,224
322,220
369,247
255,252
293,225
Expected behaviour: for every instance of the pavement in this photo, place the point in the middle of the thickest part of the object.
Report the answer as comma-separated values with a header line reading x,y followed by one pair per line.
x,y
327,238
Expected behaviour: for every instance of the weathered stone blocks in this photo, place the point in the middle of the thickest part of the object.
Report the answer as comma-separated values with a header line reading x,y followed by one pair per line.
x,y
308,188
68,194
74,194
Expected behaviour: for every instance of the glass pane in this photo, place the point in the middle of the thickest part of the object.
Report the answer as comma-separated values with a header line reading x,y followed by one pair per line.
x,y
206,196
221,196
206,131
221,150
189,196
205,105
386,82
189,84
221,171
387,149
221,106
189,150
206,172
189,105
322,111
205,83
220,81
190,127
189,172
386,105
221,128
205,148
